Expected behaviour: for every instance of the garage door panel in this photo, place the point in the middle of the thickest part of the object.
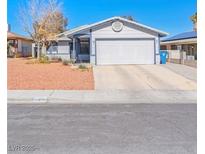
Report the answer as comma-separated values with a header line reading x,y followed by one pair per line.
x,y
125,51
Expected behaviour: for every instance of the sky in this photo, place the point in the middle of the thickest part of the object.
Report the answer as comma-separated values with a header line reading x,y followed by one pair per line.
x,y
172,16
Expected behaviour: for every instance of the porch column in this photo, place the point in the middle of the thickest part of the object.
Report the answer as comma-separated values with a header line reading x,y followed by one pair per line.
x,y
74,48
33,50
92,49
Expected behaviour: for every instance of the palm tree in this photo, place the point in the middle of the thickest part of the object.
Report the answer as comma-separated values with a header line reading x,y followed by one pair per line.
x,y
194,20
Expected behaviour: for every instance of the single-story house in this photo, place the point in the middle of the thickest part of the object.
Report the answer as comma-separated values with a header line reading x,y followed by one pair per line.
x,y
112,41
18,45
184,42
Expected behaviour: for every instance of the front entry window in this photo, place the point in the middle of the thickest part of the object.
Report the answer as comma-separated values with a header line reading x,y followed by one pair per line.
x,y
84,47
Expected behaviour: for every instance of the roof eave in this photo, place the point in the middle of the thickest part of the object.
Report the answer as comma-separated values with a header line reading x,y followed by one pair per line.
x,y
20,38
163,34
179,39
191,40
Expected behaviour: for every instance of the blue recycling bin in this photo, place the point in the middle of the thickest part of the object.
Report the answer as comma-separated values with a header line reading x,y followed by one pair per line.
x,y
163,57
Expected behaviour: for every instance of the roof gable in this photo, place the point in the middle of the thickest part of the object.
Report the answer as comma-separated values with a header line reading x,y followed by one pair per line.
x,y
87,27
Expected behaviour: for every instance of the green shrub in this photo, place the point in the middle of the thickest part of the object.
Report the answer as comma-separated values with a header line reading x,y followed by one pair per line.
x,y
72,61
82,67
59,59
17,55
55,58
66,62
44,59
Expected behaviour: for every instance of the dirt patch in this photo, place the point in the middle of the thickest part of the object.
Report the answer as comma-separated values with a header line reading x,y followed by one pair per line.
x,y
53,76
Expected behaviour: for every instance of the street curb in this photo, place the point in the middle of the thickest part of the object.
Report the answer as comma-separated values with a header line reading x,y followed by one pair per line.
x,y
100,97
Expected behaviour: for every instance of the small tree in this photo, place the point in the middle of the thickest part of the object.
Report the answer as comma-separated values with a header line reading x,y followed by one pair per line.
x,y
42,20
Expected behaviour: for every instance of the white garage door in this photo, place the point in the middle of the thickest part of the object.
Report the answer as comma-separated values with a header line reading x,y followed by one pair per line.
x,y
125,52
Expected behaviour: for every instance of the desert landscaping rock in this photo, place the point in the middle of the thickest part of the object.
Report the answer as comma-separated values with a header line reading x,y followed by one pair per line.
x,y
24,76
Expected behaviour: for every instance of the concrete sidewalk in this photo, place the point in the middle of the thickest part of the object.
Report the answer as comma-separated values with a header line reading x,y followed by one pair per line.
x,y
100,96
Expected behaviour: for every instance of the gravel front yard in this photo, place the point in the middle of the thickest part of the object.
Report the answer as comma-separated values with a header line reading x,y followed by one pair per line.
x,y
23,76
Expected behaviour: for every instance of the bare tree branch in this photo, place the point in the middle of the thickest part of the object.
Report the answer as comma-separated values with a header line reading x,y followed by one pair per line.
x,y
42,19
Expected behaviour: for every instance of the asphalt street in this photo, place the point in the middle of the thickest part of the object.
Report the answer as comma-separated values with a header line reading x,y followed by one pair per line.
x,y
102,129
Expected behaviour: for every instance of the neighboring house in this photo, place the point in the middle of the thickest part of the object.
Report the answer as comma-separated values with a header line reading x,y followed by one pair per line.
x,y
18,45
112,41
185,44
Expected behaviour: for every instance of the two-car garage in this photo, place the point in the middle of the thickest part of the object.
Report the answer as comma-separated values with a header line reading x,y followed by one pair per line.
x,y
125,51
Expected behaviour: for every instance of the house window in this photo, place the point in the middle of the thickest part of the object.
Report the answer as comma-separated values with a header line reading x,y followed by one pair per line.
x,y
71,46
84,47
163,47
52,48
63,43
173,47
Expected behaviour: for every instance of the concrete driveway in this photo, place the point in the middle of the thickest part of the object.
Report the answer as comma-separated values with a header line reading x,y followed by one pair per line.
x,y
145,77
